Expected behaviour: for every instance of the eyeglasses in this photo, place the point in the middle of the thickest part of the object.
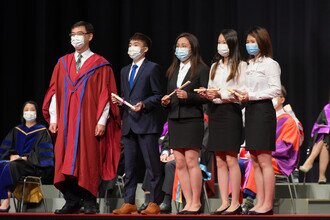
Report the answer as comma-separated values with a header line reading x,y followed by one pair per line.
x,y
78,34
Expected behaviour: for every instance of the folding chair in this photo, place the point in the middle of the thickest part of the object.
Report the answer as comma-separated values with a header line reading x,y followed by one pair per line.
x,y
29,180
284,178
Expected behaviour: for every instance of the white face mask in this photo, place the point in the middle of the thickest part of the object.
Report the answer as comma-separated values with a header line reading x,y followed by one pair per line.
x,y
223,50
77,41
134,52
29,115
275,102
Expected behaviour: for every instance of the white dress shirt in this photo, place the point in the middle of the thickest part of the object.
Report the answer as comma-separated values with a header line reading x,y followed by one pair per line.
x,y
52,107
263,79
85,55
137,69
220,81
183,70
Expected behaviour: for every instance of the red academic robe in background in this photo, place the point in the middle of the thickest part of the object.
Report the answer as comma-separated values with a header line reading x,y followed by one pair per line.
x,y
80,101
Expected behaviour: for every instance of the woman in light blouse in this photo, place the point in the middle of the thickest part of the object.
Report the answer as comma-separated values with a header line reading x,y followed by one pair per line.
x,y
262,84
225,118
185,119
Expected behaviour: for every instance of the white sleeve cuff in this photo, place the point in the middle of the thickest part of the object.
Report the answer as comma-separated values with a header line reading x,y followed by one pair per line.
x,y
52,110
105,114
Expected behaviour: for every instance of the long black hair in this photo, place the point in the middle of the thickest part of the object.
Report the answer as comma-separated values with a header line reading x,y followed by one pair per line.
x,y
234,56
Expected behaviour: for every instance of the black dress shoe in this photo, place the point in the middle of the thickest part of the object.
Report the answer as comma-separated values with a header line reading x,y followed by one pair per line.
x,y
68,209
219,212
270,212
165,208
182,212
251,212
90,210
199,211
82,209
5,210
143,207
247,205
237,211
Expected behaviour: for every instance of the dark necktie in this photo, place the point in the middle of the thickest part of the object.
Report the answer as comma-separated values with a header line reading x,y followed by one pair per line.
x,y
78,63
131,77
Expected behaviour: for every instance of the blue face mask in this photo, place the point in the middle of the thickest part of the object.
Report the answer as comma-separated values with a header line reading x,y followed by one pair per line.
x,y
252,48
182,53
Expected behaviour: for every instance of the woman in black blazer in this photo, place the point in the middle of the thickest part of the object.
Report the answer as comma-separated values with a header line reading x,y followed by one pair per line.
x,y
185,120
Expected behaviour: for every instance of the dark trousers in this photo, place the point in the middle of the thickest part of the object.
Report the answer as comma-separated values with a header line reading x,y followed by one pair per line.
x,y
148,144
169,177
169,170
75,195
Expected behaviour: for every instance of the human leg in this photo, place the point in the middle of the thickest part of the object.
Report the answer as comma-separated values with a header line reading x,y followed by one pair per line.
x,y
222,171
324,161
310,160
195,179
259,184
268,176
234,180
183,175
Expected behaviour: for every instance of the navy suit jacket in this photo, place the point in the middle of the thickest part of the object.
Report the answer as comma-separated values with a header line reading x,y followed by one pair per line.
x,y
149,87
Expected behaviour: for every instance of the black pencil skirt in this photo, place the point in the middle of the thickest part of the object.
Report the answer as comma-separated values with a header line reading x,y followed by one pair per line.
x,y
260,125
225,128
186,132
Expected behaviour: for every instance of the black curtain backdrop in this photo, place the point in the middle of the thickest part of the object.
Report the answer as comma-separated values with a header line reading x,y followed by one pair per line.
x,y
34,35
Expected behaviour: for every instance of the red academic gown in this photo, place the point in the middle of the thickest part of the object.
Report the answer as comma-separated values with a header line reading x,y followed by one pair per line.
x,y
80,101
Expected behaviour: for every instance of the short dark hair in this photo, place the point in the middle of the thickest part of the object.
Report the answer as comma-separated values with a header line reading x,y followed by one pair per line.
x,y
88,26
35,106
142,37
263,40
283,92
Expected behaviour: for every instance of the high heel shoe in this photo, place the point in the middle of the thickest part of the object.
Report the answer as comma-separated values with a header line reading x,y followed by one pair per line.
x,y
219,212
5,210
237,211
305,169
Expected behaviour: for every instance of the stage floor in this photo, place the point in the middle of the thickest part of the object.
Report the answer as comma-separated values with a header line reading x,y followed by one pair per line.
x,y
43,216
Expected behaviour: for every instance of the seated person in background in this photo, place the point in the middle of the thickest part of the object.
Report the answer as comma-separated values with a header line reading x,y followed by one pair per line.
x,y
167,157
321,142
27,150
289,137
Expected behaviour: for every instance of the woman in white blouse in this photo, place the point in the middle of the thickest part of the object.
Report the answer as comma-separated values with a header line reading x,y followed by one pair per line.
x,y
225,118
262,79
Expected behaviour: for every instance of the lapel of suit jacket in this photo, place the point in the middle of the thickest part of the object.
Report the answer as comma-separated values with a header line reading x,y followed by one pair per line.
x,y
126,81
174,79
139,73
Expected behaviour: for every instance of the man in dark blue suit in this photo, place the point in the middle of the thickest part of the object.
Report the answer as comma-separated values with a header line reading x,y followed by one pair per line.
x,y
142,85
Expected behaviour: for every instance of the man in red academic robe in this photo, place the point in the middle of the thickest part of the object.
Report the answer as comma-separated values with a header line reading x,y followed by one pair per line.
x,y
87,124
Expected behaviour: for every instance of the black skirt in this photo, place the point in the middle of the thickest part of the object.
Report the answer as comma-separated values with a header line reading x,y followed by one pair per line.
x,y
260,125
186,132
225,128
